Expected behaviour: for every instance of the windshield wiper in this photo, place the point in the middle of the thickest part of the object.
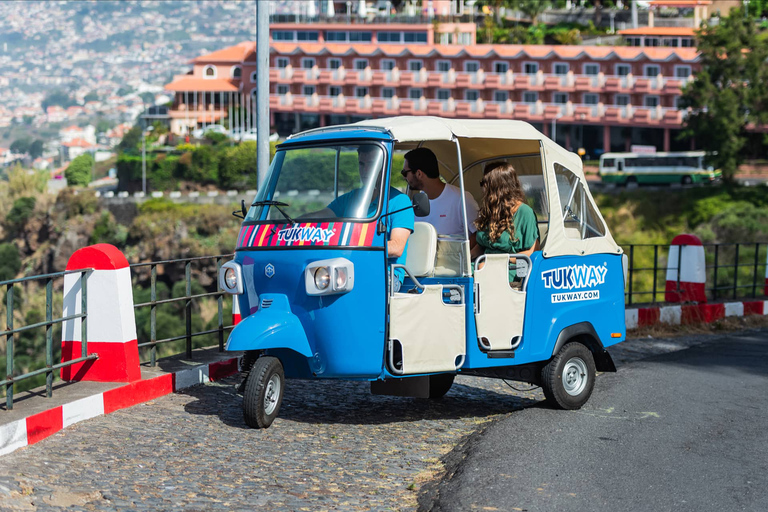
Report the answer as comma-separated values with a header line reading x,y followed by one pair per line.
x,y
277,205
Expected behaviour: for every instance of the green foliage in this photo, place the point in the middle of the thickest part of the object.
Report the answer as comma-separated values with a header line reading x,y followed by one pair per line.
x,y
74,204
21,146
60,98
91,96
163,172
730,91
237,165
215,138
36,149
80,171
204,166
24,182
10,262
106,230
22,210
131,140
531,8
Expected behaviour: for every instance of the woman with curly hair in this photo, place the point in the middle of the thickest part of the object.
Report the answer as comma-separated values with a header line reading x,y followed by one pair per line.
x,y
505,223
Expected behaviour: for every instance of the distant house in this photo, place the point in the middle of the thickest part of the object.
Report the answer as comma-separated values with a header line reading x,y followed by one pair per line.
x,y
77,147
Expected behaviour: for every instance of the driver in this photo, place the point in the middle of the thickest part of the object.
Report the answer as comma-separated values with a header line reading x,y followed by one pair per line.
x,y
399,225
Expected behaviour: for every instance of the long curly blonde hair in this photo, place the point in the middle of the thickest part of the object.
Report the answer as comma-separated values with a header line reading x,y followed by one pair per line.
x,y
503,196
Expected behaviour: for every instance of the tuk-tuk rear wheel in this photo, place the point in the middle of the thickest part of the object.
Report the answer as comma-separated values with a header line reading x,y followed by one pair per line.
x,y
568,379
263,392
440,384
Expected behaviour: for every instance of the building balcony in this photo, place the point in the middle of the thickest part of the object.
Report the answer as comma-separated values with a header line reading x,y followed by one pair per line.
x,y
615,83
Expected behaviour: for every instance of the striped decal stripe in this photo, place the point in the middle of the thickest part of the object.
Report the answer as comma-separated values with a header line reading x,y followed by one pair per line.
x,y
354,234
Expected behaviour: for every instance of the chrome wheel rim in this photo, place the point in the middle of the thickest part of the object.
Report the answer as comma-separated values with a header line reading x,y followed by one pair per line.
x,y
575,376
272,394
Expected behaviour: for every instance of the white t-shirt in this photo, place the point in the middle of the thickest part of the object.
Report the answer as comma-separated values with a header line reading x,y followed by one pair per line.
x,y
446,215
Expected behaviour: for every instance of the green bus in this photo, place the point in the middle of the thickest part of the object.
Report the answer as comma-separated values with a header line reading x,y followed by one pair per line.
x,y
685,167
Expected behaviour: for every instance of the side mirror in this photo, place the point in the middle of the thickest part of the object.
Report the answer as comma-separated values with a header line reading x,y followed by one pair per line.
x,y
420,203
243,212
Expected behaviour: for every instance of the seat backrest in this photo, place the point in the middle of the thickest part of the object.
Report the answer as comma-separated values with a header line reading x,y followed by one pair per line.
x,y
422,245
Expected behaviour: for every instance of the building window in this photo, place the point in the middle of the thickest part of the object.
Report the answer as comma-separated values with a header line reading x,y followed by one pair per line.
x,y
282,62
651,41
335,35
443,94
307,63
531,68
334,90
561,69
500,96
389,37
591,99
283,35
415,65
443,66
672,43
283,89
500,67
682,71
361,64
686,42
209,72
591,69
415,93
361,92
652,70
621,100
560,98
306,35
387,64
360,37
651,101
471,66
334,63
254,77
471,95
415,37
623,69
236,72
388,92
530,97
308,90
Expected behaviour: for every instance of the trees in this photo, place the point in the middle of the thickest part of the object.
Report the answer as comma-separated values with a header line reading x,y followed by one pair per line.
x,y
531,8
80,171
730,92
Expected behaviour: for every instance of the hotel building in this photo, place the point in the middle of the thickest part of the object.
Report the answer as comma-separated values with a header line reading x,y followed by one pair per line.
x,y
595,97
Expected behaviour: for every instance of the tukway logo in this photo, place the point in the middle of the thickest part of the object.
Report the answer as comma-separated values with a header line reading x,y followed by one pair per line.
x,y
308,234
574,277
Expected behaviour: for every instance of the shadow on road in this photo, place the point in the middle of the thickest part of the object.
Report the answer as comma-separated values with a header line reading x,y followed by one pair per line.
x,y
345,402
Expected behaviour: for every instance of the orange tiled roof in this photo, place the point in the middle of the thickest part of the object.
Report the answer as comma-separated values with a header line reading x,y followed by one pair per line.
x,y
202,85
678,3
77,143
484,50
235,53
657,31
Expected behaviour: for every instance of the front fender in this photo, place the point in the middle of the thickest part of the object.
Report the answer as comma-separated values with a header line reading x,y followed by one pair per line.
x,y
272,326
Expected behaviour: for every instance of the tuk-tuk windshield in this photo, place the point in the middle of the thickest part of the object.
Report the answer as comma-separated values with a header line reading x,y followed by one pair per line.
x,y
326,182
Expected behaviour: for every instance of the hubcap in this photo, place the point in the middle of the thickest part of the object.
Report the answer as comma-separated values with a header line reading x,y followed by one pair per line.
x,y
272,395
575,376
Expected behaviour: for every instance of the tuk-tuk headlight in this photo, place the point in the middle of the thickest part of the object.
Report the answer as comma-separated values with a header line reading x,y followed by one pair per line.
x,y
322,278
329,277
231,278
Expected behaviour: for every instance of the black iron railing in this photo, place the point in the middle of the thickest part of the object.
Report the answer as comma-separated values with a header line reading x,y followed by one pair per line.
x,y
733,271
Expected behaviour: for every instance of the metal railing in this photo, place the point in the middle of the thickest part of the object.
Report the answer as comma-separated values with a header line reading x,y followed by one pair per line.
x,y
187,299
733,271
10,289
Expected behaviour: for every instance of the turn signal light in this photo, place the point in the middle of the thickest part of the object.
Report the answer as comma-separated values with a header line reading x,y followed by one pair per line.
x,y
615,335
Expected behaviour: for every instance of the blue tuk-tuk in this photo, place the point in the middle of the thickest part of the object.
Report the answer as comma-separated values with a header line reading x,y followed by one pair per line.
x,y
320,298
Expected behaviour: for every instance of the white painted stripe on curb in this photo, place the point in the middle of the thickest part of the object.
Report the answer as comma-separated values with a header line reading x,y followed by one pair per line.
x,y
670,315
192,377
765,308
630,318
734,309
13,436
82,409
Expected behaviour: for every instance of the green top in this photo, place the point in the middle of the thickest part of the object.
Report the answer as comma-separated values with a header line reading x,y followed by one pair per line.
x,y
526,234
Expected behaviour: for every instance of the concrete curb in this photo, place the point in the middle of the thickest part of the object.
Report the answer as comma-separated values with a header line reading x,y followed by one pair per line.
x,y
36,427
692,313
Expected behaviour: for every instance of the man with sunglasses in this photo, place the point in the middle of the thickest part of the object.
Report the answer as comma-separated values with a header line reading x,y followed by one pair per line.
x,y
421,172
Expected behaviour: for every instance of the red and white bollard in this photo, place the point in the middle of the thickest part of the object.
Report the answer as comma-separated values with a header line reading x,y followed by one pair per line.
x,y
111,323
236,316
766,275
686,252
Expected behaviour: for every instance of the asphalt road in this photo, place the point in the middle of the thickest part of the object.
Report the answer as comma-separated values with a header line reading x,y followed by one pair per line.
x,y
681,431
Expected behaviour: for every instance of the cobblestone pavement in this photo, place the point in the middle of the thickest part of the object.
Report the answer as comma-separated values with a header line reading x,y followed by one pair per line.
x,y
334,446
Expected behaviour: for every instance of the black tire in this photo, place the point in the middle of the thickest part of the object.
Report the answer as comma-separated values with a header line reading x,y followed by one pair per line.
x,y
687,180
263,392
631,182
440,384
569,378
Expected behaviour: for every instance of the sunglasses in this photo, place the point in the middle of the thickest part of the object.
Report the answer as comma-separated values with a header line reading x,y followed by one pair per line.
x,y
405,172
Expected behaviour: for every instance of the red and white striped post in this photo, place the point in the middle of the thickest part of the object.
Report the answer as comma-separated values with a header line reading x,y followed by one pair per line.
x,y
111,323
686,253
236,316
766,275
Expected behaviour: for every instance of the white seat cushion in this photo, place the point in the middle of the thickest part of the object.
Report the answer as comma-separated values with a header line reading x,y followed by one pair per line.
x,y
422,245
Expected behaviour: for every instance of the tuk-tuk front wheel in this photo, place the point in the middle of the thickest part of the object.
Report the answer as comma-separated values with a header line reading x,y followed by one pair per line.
x,y
568,379
263,392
